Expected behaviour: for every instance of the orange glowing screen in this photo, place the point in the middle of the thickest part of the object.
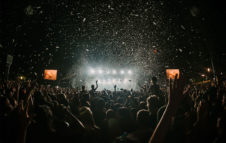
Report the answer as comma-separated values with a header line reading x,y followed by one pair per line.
x,y
171,73
50,74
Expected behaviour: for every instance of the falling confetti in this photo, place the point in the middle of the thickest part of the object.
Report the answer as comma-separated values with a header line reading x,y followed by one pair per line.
x,y
145,34
29,10
194,11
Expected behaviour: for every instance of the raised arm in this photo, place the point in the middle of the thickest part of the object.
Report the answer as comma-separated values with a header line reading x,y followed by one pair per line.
x,y
176,95
23,121
96,85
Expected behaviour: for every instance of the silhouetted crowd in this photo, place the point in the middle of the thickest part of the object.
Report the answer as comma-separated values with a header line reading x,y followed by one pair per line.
x,y
35,113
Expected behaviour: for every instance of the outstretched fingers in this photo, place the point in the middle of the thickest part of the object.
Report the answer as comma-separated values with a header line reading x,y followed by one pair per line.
x,y
176,91
20,107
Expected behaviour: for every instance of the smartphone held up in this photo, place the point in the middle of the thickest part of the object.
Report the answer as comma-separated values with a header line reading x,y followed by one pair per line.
x,y
171,73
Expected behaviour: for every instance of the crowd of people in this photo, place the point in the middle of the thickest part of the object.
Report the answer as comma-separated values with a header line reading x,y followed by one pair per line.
x,y
35,113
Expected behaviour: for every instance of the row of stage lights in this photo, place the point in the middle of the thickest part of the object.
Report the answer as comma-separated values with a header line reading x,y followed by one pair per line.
x,y
114,81
100,71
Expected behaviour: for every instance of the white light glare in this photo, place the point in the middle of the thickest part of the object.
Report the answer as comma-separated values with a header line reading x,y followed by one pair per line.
x,y
122,72
208,69
92,71
114,72
100,71
129,72
113,81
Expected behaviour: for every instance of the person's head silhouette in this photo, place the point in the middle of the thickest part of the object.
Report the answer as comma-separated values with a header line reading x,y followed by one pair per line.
x,y
154,80
83,88
92,87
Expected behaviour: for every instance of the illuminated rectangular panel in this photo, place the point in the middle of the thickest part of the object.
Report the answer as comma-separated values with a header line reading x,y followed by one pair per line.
x,y
171,73
50,74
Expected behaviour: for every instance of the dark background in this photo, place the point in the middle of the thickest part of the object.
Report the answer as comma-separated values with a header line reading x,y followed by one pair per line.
x,y
151,35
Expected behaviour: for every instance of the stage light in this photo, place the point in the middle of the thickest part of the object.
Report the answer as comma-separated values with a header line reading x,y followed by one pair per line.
x,y
100,71
122,72
21,77
92,71
208,69
114,72
129,72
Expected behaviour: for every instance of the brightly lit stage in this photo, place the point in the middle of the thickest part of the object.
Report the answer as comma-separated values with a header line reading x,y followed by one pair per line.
x,y
123,78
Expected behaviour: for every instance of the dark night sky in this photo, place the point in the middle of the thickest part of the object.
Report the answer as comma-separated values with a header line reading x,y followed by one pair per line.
x,y
150,34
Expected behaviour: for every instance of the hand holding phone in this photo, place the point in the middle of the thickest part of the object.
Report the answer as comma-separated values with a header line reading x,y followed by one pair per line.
x,y
171,73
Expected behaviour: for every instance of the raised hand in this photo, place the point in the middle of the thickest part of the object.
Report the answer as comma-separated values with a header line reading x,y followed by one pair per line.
x,y
18,86
23,117
177,92
202,111
23,121
176,96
